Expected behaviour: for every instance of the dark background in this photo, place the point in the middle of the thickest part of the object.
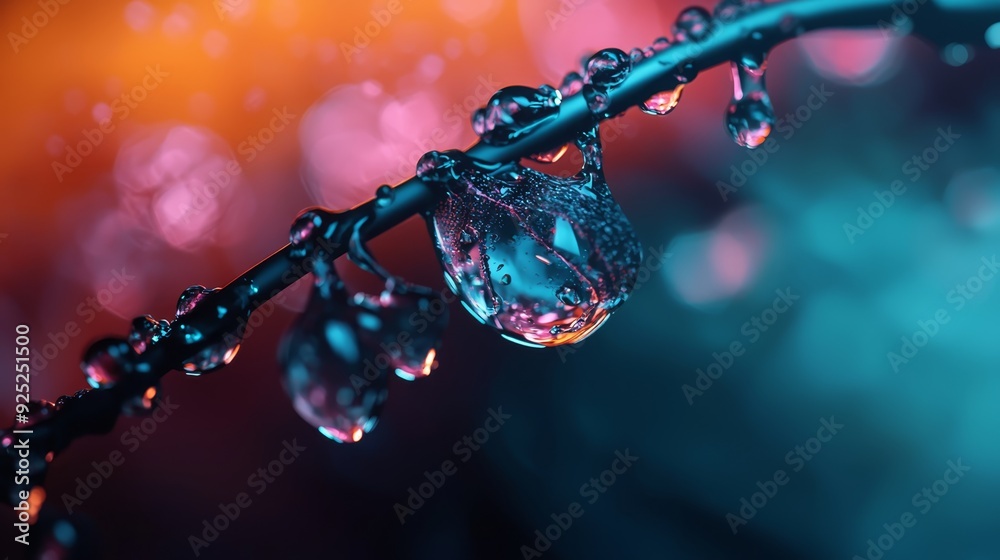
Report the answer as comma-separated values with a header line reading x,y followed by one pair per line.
x,y
362,119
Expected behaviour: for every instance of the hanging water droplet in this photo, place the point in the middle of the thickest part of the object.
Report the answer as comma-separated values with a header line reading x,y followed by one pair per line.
x,y
608,68
662,103
215,355
107,362
329,367
693,25
750,115
146,331
384,195
514,111
551,232
413,320
571,85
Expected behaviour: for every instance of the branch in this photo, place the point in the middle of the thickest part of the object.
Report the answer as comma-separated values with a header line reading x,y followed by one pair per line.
x,y
96,411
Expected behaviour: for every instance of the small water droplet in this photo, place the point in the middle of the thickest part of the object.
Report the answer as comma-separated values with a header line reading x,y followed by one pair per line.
x,y
145,331
728,10
303,227
662,103
107,362
608,68
569,295
190,298
693,24
514,111
598,101
384,195
571,85
636,56
661,44
505,279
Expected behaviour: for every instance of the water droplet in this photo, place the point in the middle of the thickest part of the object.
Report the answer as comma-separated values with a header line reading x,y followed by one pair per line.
x,y
514,111
303,227
552,231
142,405
728,10
216,355
190,298
750,116
608,68
663,103
331,370
107,362
145,331
571,85
384,195
661,44
598,101
413,320
693,24
636,56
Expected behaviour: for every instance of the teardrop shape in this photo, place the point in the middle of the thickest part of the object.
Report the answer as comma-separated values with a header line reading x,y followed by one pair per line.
x,y
750,115
511,244
663,103
514,111
107,362
216,355
328,364
412,321
693,24
608,68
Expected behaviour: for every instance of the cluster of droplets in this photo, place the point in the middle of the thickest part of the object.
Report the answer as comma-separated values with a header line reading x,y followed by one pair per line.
x,y
515,111
542,259
607,69
339,354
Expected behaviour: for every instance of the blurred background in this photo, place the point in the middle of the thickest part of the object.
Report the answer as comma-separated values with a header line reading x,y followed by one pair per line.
x,y
319,103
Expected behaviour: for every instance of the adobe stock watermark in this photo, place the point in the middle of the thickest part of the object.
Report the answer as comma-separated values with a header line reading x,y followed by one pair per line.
x,y
787,126
913,168
899,21
365,34
959,297
592,490
796,459
752,331
131,439
561,15
31,25
259,480
250,148
120,108
653,260
86,312
923,501
463,450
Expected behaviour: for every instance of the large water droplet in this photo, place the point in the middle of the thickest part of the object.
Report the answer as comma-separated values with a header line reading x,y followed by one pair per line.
x,y
514,111
663,103
329,364
693,24
750,115
608,68
548,233
215,355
